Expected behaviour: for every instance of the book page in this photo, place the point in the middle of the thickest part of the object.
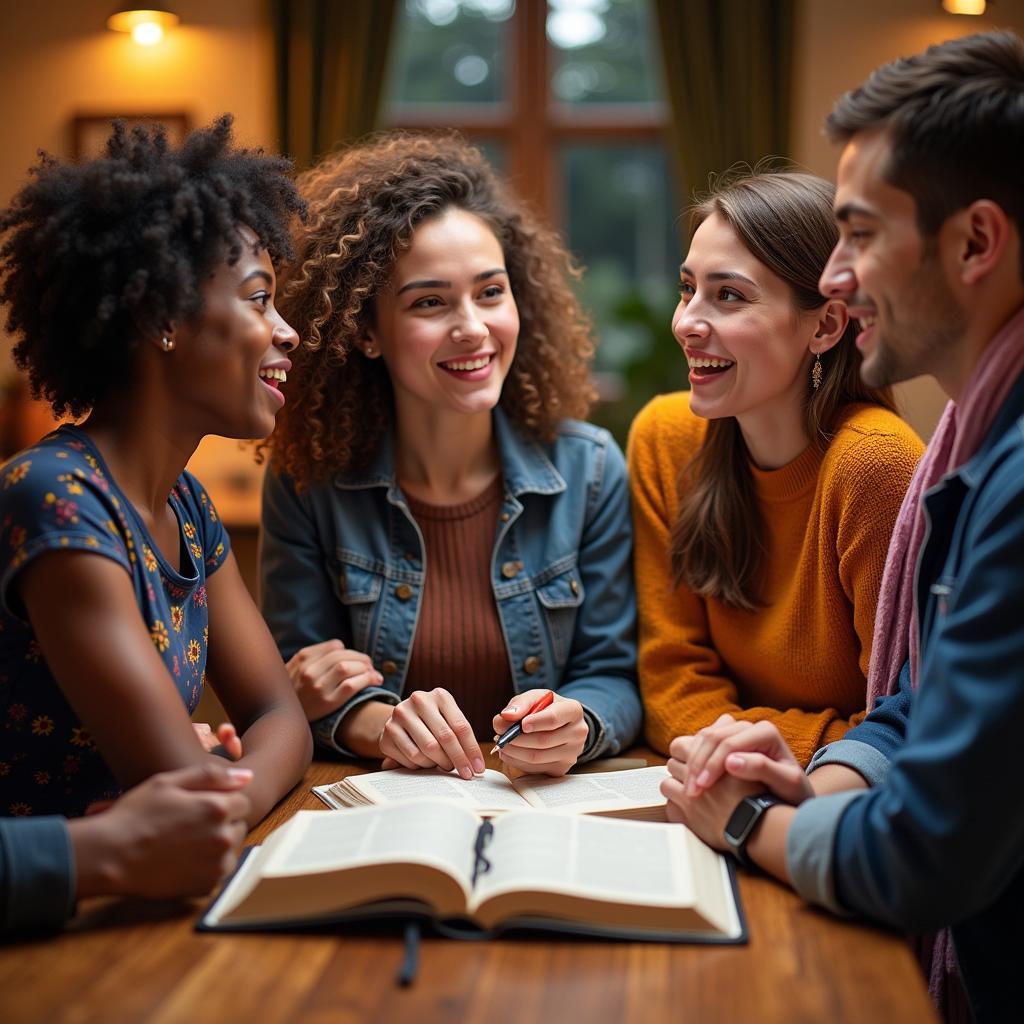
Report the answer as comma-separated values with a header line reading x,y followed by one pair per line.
x,y
603,791
440,834
599,857
490,791
554,858
321,863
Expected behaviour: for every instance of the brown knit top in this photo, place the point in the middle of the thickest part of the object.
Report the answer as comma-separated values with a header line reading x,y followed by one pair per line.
x,y
459,644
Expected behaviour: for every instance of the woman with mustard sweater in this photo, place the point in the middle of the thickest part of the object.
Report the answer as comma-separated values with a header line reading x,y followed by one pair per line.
x,y
764,498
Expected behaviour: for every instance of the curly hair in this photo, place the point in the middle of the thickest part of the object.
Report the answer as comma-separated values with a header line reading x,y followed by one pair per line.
x,y
364,205
99,255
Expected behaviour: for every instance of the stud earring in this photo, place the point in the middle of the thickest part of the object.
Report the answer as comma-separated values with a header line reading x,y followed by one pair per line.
x,y
168,344
816,373
369,350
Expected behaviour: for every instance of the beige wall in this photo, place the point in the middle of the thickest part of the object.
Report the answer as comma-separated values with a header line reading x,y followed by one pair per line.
x,y
58,59
838,43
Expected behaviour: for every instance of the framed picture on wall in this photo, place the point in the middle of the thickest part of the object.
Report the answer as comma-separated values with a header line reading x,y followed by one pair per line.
x,y
89,132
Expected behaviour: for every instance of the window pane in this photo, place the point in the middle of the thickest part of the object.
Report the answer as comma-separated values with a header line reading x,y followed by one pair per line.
x,y
602,51
622,220
449,51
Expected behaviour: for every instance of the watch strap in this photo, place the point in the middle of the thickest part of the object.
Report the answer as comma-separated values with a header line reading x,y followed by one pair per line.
x,y
752,809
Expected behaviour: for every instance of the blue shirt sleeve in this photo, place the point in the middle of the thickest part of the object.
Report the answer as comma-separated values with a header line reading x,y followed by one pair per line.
x,y
885,728
870,747
36,873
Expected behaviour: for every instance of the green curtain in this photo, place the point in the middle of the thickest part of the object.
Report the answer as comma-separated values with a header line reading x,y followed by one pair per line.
x,y
330,57
728,66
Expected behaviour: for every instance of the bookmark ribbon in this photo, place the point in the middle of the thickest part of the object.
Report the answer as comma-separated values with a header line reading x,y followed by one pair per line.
x,y
481,865
411,957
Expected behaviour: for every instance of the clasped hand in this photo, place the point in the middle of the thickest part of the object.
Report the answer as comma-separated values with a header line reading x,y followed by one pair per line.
x,y
713,770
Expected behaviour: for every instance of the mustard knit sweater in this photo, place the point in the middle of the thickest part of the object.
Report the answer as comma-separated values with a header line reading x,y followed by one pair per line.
x,y
801,660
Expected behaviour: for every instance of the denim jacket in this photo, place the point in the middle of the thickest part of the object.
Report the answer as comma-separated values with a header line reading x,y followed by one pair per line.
x,y
344,559
939,839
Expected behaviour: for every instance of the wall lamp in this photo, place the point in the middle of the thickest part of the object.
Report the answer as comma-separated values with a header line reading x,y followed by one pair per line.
x,y
964,6
146,27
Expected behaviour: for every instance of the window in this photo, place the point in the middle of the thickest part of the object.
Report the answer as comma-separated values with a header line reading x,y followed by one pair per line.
x,y
565,97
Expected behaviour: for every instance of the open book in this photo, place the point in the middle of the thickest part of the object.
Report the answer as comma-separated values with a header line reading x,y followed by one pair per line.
x,y
630,794
531,869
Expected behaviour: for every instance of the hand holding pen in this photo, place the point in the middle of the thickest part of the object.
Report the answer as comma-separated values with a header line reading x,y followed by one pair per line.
x,y
541,732
513,731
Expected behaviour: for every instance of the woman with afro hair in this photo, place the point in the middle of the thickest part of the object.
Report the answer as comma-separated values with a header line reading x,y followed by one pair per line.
x,y
444,542
140,288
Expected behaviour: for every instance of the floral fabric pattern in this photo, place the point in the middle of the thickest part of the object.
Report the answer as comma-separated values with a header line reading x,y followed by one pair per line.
x,y
59,495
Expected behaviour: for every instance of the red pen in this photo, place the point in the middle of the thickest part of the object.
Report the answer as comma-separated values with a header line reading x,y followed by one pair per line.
x,y
513,731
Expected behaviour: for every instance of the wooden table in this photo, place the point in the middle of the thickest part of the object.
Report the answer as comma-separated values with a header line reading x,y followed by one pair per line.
x,y
122,961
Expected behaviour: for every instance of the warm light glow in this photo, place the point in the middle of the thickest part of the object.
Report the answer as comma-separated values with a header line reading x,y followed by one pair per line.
x,y
964,6
147,27
149,33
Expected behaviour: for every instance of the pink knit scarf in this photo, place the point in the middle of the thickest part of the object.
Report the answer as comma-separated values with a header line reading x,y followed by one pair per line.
x,y
962,428
960,432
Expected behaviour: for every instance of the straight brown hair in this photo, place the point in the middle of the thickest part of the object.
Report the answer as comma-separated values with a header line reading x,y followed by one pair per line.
x,y
717,541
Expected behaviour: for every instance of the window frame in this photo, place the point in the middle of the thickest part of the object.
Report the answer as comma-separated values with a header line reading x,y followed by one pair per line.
x,y
531,141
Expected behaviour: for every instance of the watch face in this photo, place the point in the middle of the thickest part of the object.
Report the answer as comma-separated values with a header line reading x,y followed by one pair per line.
x,y
741,820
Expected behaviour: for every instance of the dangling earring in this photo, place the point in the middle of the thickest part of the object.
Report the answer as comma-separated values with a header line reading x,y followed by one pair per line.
x,y
168,344
816,373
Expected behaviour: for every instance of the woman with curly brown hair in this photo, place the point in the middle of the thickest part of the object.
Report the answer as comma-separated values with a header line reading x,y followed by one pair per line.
x,y
441,537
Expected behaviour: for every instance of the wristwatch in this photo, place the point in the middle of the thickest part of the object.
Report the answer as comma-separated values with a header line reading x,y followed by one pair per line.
x,y
743,821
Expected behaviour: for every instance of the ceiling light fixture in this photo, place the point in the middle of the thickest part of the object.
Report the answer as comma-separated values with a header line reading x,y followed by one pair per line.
x,y
147,27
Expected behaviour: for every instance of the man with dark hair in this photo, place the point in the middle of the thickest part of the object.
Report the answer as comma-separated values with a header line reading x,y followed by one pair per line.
x,y
911,822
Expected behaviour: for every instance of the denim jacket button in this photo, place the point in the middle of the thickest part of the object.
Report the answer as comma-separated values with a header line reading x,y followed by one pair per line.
x,y
574,586
531,665
505,517
403,591
509,569
389,668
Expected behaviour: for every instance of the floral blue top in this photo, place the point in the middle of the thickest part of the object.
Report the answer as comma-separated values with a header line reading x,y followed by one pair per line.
x,y
59,494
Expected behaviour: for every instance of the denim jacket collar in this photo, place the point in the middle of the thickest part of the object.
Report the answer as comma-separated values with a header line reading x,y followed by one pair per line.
x,y
1011,412
525,466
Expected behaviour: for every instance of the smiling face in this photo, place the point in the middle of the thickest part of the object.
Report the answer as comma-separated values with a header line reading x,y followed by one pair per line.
x,y
446,324
230,360
891,278
746,342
